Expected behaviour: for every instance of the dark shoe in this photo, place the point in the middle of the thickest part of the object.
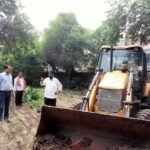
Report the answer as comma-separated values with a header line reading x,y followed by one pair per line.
x,y
7,120
38,110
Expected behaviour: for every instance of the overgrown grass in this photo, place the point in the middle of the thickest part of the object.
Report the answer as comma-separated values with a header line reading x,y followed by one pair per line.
x,y
35,98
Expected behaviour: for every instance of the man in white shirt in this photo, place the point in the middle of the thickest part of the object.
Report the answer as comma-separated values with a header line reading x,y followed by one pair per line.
x,y
19,87
52,88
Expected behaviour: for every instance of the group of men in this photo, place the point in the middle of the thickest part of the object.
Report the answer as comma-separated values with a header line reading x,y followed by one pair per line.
x,y
7,89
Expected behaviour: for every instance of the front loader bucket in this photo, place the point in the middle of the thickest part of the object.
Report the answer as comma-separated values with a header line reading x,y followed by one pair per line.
x,y
99,130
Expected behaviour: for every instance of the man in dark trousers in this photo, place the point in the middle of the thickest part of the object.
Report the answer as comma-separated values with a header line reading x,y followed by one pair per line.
x,y
6,87
52,88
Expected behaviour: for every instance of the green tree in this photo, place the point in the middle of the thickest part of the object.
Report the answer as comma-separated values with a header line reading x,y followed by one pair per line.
x,y
64,42
130,16
15,28
27,61
19,41
109,31
139,14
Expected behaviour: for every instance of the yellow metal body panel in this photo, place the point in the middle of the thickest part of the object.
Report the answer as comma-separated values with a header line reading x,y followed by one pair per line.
x,y
114,80
92,98
147,90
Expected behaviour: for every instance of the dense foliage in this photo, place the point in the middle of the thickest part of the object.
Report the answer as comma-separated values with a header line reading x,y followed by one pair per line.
x,y
18,41
139,14
15,28
129,16
65,43
33,97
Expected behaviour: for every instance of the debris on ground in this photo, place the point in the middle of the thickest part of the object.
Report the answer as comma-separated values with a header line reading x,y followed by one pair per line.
x,y
50,142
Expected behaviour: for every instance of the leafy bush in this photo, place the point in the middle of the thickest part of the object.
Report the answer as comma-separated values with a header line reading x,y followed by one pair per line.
x,y
36,103
31,94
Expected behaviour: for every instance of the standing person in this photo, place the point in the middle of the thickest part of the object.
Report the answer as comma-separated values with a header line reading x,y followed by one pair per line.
x,y
52,88
49,68
19,87
6,87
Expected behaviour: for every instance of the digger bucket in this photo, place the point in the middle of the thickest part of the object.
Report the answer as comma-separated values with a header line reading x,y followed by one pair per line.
x,y
96,130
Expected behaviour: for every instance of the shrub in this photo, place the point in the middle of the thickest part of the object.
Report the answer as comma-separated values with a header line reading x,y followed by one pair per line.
x,y
31,94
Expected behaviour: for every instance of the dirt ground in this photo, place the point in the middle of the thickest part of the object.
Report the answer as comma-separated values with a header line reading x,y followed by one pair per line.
x,y
20,132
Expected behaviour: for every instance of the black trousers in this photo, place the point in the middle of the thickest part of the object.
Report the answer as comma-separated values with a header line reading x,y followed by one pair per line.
x,y
18,100
49,101
4,104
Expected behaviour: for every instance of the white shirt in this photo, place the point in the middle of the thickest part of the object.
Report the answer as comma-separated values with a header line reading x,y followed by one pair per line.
x,y
21,87
51,87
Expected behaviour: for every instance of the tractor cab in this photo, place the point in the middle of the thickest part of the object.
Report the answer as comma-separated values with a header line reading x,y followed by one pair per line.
x,y
124,76
113,58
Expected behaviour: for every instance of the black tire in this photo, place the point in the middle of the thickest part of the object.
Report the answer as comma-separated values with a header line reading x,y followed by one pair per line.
x,y
148,102
144,114
76,105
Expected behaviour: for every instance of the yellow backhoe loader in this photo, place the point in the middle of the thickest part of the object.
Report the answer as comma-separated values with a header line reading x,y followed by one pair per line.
x,y
116,108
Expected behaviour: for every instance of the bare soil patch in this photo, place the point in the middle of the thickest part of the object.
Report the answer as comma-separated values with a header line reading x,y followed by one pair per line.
x,y
19,134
